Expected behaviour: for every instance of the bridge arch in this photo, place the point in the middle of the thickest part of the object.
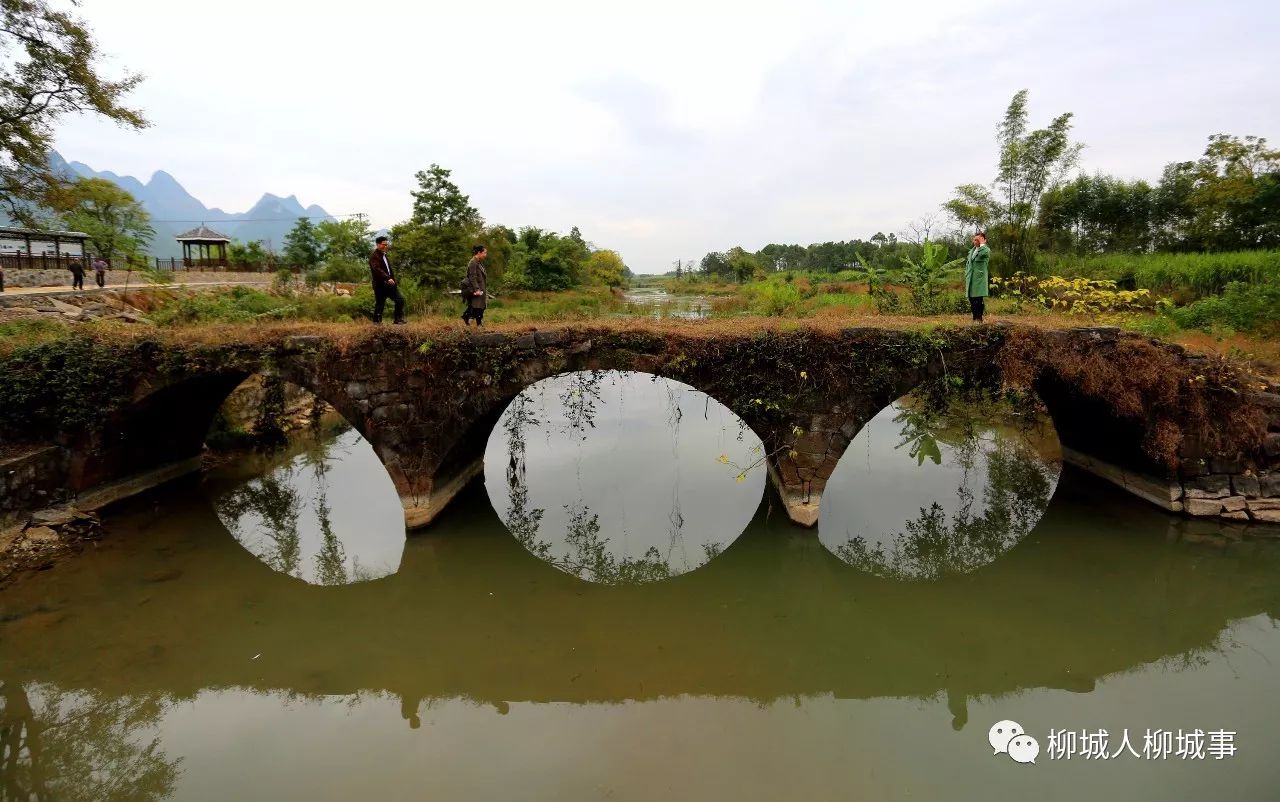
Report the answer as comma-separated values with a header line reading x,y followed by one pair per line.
x,y
423,397
162,430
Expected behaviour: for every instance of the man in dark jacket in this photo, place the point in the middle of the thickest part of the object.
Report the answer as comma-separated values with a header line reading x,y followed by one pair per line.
x,y
77,274
384,283
478,281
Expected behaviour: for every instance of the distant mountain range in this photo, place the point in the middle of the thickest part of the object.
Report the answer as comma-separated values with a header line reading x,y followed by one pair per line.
x,y
165,199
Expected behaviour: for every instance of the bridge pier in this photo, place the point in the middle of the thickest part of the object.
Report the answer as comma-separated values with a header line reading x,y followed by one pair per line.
x,y
421,507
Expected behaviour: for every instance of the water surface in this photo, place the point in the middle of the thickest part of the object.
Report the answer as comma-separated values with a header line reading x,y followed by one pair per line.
x,y
170,662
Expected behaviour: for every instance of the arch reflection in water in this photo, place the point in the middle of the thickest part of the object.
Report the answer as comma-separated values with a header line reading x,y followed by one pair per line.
x,y
323,509
622,477
923,492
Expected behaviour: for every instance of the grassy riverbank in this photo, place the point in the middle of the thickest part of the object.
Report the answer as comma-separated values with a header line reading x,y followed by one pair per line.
x,y
1227,304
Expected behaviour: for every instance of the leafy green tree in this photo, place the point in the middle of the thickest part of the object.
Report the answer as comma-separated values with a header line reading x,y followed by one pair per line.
x,y
1227,200
973,207
606,269
716,265
500,242
1031,161
301,245
434,244
742,265
50,69
438,202
248,254
781,257
1096,214
549,261
117,225
349,239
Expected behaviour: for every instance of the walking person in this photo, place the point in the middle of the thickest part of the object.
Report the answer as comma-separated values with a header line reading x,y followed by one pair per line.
x,y
384,282
477,284
976,275
100,271
77,274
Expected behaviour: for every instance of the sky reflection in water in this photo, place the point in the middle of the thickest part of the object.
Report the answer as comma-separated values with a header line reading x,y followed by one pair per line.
x,y
324,510
622,477
922,494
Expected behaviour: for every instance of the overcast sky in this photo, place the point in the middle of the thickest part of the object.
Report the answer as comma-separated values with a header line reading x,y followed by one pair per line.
x,y
665,129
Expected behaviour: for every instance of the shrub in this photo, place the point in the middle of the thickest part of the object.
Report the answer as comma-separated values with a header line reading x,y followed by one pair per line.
x,y
1241,307
1200,274
1076,295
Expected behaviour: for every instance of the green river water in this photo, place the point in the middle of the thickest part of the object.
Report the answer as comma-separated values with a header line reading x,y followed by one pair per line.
x,y
621,611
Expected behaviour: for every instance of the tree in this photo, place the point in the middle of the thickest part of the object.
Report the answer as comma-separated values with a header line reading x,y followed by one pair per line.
x,y
434,244
919,231
346,239
548,261
742,265
438,202
50,69
716,265
247,254
1097,214
973,207
117,224
606,269
1031,161
1228,199
301,245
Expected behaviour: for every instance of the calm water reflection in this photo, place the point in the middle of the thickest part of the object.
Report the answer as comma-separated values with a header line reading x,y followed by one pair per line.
x,y
323,511
171,663
620,477
922,493
659,303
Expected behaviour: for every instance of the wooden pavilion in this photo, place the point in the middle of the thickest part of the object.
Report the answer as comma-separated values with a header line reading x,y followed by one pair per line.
x,y
203,241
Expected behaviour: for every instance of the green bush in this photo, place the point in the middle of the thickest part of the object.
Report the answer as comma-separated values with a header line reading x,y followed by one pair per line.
x,y
772,299
344,269
1242,307
246,304
1199,274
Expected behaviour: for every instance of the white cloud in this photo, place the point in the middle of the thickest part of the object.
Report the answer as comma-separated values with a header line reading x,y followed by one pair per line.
x,y
664,129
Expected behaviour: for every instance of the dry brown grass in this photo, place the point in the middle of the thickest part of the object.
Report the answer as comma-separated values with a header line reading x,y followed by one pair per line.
x,y
1179,402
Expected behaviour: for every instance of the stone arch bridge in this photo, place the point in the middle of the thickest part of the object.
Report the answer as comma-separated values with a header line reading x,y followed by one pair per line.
x,y
1189,433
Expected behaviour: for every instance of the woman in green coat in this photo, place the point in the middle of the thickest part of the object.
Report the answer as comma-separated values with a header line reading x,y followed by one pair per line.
x,y
975,275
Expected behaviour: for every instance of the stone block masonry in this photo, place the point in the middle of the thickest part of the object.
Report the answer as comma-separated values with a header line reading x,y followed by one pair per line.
x,y
1180,432
31,478
55,279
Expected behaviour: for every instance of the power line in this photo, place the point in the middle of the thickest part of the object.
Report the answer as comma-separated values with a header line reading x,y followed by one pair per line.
x,y
268,220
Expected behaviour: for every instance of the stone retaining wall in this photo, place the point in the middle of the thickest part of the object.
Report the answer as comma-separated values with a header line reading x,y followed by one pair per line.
x,y
242,407
32,480
62,278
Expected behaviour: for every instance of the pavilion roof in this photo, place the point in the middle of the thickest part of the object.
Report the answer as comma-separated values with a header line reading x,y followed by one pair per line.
x,y
202,233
